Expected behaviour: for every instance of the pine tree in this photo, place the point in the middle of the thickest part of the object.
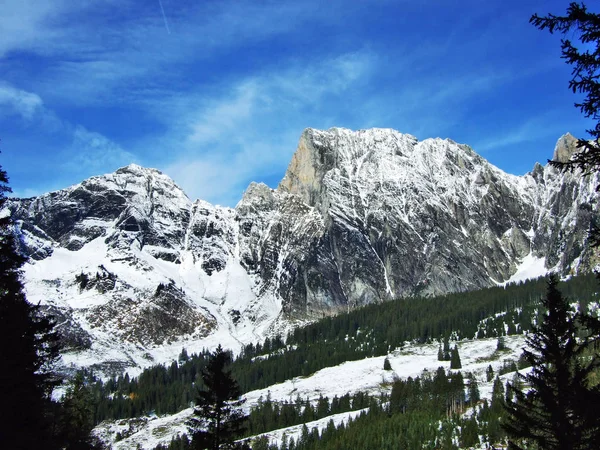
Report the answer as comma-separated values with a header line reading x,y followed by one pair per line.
x,y
78,416
474,395
455,359
386,364
558,410
218,417
489,373
446,350
496,412
500,343
28,350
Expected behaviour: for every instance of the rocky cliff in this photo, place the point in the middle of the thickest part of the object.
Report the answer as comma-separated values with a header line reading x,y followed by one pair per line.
x,y
135,270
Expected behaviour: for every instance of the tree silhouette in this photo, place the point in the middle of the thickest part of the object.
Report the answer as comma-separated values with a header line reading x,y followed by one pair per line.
x,y
455,362
557,411
218,416
28,350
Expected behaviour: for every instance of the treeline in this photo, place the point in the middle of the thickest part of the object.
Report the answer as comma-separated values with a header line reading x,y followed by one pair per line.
x,y
373,330
268,415
159,389
421,412
424,412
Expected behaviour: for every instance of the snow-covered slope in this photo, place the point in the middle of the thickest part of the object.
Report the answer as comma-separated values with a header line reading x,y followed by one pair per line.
x,y
135,270
366,375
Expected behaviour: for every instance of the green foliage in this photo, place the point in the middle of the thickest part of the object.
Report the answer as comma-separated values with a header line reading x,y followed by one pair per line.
x,y
361,333
473,386
422,412
585,80
500,344
218,416
269,415
557,411
489,373
386,364
77,416
455,359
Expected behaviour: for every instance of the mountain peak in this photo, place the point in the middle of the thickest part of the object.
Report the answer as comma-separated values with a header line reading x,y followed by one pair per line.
x,y
566,146
137,169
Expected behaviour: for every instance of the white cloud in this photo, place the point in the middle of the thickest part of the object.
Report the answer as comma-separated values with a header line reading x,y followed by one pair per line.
x,y
25,104
250,130
534,129
88,58
223,115
95,152
88,150
268,93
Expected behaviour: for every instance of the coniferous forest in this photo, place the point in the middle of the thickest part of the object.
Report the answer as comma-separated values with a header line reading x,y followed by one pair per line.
x,y
370,331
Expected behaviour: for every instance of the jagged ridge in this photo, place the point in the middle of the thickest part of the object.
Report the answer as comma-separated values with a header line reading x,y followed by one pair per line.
x,y
135,268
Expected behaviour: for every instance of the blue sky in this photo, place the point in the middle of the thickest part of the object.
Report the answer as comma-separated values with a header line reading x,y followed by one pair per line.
x,y
216,93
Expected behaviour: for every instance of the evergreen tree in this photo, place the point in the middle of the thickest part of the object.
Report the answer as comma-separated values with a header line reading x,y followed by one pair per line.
x,y
489,373
446,350
474,395
78,416
28,350
386,364
455,359
558,410
500,344
469,436
218,417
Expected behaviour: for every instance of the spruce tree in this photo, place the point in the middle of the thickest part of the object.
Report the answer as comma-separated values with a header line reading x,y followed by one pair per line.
x,y
28,350
558,409
78,415
500,343
386,364
489,373
474,395
218,416
455,359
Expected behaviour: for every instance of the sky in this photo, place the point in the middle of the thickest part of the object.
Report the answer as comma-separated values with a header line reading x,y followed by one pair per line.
x,y
216,93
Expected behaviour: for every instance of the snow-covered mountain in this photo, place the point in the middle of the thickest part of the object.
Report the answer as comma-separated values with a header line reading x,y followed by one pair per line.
x,y
135,270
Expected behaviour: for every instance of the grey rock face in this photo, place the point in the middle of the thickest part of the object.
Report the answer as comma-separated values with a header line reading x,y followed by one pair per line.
x,y
565,148
405,217
360,217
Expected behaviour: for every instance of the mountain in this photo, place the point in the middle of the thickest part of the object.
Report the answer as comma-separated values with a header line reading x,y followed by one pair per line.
x,y
135,270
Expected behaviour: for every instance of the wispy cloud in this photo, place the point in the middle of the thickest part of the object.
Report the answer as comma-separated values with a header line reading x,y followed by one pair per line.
x,y
93,60
87,150
534,129
223,115
251,131
95,151
13,100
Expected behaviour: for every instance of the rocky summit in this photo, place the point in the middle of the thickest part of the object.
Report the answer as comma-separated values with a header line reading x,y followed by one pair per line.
x,y
134,270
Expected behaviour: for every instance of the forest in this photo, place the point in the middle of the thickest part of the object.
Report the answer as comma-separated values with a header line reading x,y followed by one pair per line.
x,y
373,330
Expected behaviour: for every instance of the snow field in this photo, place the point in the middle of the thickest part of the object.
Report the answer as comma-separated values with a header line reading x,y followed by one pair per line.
x,y
366,375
